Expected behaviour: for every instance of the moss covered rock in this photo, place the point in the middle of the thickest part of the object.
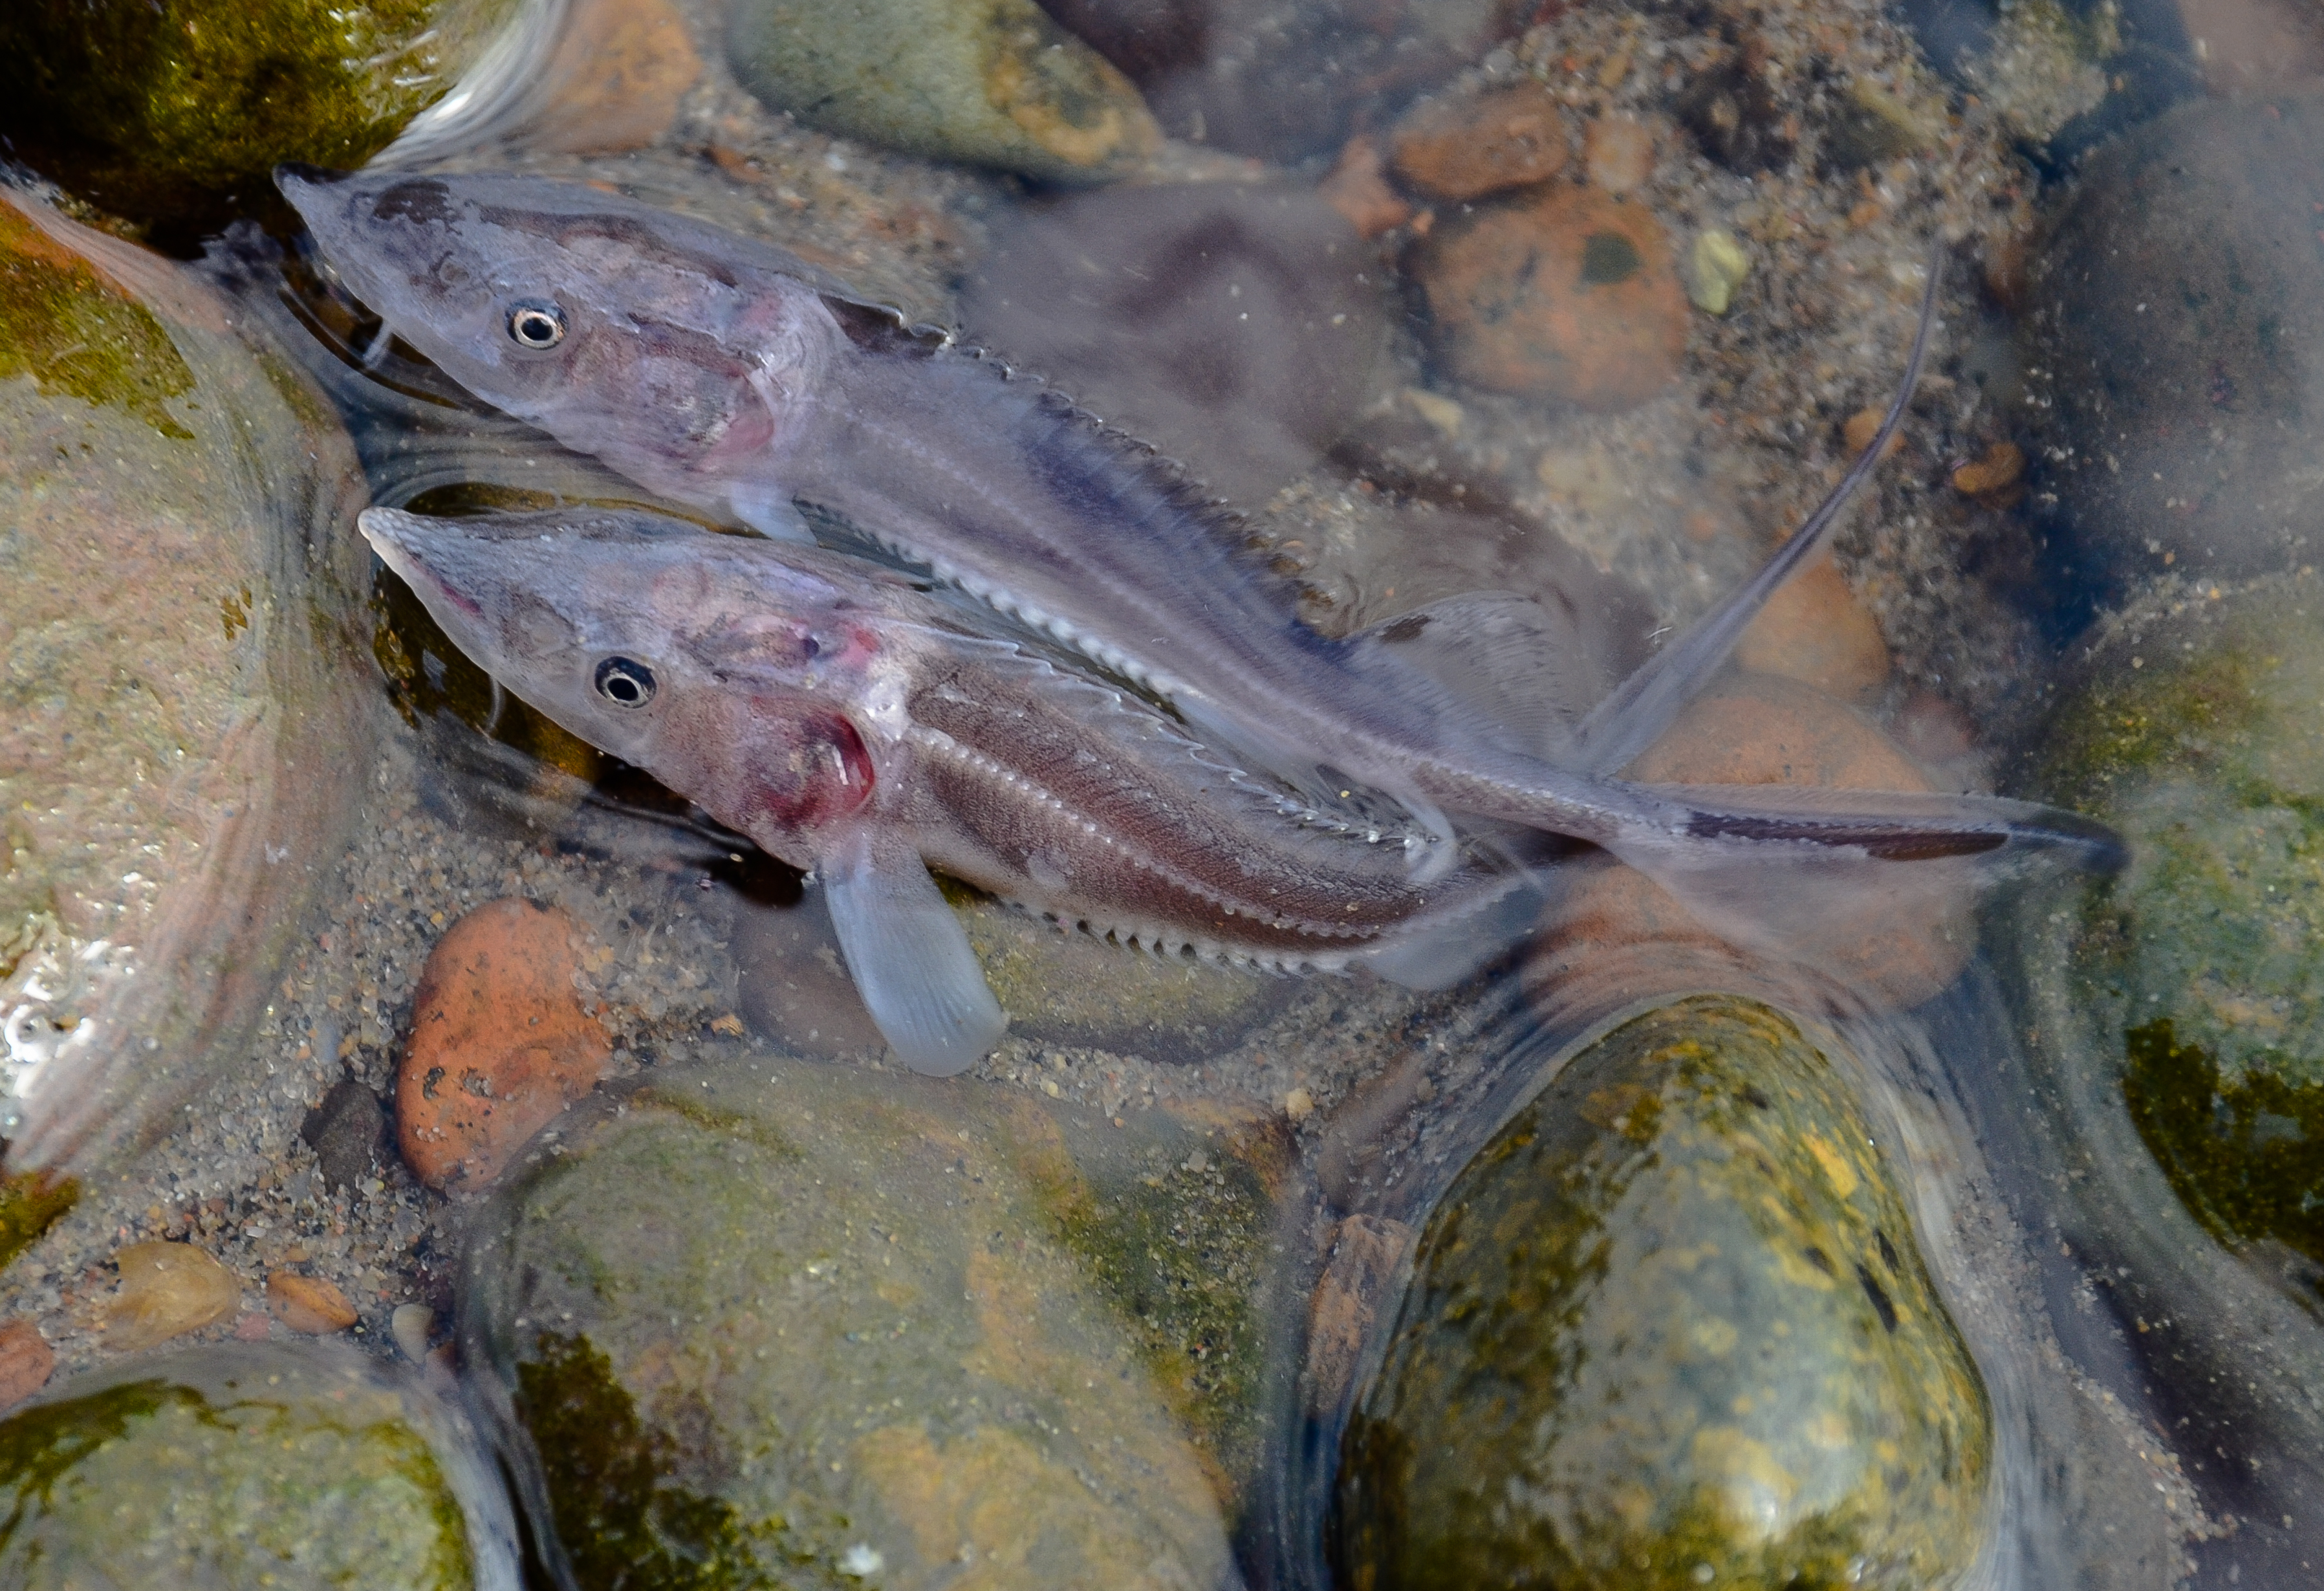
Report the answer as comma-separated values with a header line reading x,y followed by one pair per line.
x,y
154,111
989,82
800,1326
1670,1329
239,1467
180,597
2197,729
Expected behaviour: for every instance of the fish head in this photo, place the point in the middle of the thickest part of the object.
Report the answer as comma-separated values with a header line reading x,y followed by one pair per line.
x,y
737,672
677,353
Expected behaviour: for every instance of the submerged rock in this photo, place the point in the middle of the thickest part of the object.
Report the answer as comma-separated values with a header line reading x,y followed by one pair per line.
x,y
182,686
2197,730
1670,1329
2181,309
990,82
1571,295
239,1467
158,112
790,1319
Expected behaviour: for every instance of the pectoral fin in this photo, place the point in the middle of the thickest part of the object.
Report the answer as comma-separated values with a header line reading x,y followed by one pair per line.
x,y
910,956
769,513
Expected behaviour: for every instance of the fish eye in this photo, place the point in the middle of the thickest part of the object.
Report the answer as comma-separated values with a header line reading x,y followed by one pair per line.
x,y
535,324
625,682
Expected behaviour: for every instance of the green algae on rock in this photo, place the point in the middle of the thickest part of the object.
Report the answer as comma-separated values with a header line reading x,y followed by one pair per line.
x,y
155,112
1671,1329
242,1466
989,82
178,600
2197,730
770,1320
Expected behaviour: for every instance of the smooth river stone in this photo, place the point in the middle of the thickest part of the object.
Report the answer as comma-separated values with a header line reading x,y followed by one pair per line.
x,y
808,1322
241,1466
1670,1329
160,113
989,82
2195,727
183,688
2179,318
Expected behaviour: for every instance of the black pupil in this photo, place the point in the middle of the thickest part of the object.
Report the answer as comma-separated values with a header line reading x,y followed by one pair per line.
x,y
536,329
624,682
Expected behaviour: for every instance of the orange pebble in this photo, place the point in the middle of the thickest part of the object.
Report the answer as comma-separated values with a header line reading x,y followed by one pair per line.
x,y
1815,630
499,1046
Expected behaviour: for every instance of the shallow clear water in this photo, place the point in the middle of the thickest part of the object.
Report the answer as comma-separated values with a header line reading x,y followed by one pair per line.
x,y
1335,288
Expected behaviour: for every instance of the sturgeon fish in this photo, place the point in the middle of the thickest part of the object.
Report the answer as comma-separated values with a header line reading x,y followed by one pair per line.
x,y
724,374
849,724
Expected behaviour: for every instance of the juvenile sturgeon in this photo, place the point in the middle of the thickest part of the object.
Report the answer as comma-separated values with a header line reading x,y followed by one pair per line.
x,y
725,373
847,723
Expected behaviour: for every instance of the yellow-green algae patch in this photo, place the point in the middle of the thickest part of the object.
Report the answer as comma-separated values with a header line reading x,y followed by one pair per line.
x,y
157,1482
2197,729
153,110
1671,1329
74,331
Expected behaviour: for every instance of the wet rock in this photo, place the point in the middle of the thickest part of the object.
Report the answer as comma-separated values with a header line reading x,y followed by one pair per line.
x,y
500,1044
26,1361
412,1325
1358,188
1676,1314
1569,296
178,114
345,1131
1469,147
167,1289
2195,729
2255,46
1072,988
2181,310
1613,937
183,688
989,82
1814,631
1235,327
241,1466
1618,153
615,79
791,1318
1288,83
308,1304
1147,39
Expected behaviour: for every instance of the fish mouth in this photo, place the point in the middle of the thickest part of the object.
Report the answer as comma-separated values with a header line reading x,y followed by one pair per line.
x,y
402,541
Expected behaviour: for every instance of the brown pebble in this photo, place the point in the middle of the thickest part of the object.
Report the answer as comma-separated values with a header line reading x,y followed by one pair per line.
x,y
1358,189
26,1362
253,1328
499,1046
616,77
1618,152
309,1303
1994,478
1462,148
1614,936
1567,295
1862,427
1815,630
167,1289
